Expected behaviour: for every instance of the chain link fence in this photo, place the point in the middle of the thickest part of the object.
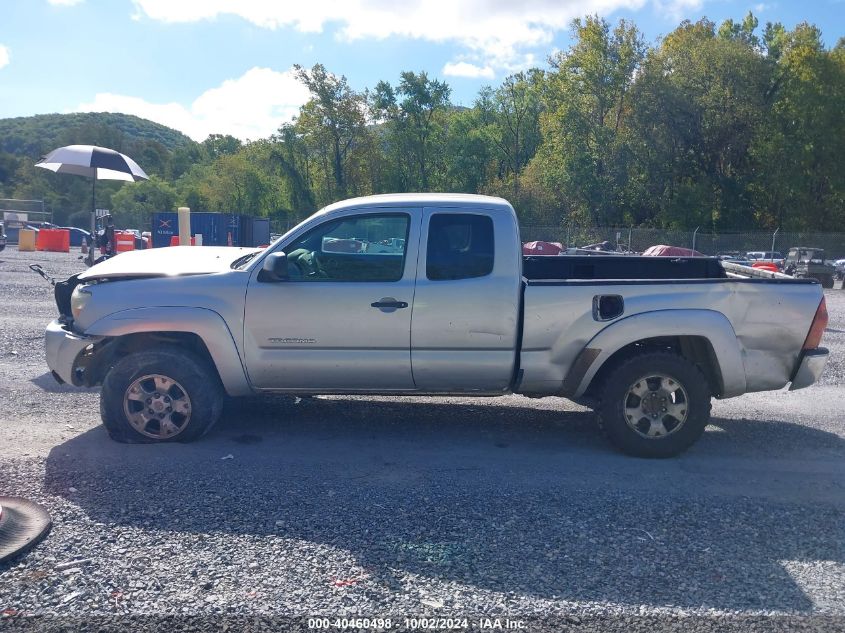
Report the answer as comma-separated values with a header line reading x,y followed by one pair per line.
x,y
638,239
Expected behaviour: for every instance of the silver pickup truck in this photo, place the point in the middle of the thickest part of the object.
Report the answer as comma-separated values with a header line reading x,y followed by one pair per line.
x,y
428,294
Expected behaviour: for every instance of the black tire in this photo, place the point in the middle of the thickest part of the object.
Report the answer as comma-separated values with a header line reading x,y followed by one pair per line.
x,y
827,281
612,412
192,376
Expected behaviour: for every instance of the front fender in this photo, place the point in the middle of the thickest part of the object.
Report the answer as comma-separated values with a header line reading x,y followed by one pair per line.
x,y
206,324
709,324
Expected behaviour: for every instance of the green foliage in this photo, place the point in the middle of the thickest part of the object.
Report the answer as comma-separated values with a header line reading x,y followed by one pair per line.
x,y
134,205
699,101
415,116
721,126
332,124
584,156
800,142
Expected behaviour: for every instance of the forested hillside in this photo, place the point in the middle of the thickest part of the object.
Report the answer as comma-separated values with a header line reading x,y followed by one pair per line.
x,y
32,136
726,127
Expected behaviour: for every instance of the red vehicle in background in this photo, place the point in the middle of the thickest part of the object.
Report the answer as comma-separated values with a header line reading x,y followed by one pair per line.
x,y
661,250
542,248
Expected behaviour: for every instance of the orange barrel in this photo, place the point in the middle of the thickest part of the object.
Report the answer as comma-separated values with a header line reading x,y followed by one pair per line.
x,y
124,242
26,240
63,240
174,241
55,240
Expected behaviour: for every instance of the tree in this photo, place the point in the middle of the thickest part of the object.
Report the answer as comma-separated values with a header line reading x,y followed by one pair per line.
x,y
217,145
415,115
333,120
422,99
468,151
799,183
741,31
697,105
584,155
134,204
289,155
515,123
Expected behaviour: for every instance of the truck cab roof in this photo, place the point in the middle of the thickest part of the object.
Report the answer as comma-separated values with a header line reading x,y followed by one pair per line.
x,y
420,200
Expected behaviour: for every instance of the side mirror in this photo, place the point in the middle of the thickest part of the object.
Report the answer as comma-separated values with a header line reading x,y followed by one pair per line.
x,y
275,268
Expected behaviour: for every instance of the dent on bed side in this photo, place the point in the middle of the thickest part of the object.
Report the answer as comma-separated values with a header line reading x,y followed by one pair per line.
x,y
710,325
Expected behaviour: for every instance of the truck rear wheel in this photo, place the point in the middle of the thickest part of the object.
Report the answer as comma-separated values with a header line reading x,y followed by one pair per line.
x,y
654,405
160,395
826,281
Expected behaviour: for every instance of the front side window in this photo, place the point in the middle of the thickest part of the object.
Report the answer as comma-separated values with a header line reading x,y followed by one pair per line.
x,y
460,246
358,248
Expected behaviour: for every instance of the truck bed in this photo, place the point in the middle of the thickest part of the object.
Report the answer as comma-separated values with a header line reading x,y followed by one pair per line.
x,y
768,317
543,267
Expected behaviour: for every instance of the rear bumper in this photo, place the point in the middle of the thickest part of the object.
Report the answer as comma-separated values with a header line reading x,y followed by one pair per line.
x,y
810,368
62,348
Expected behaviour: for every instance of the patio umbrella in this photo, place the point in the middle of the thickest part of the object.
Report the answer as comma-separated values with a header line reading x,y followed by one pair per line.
x,y
95,163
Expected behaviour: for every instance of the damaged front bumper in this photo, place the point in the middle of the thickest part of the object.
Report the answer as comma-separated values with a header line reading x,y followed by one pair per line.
x,y
63,349
810,368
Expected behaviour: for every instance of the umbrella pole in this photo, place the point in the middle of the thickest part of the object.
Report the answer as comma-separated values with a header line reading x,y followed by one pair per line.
x,y
93,220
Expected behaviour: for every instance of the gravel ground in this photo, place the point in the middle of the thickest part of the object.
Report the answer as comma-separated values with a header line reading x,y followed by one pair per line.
x,y
379,507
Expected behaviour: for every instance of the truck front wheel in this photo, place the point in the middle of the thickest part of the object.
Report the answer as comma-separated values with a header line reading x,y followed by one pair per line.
x,y
160,395
654,405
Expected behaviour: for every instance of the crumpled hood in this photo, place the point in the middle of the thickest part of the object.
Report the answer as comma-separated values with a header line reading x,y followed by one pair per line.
x,y
167,262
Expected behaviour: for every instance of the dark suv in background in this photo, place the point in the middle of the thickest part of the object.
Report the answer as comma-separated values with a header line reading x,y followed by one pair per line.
x,y
808,262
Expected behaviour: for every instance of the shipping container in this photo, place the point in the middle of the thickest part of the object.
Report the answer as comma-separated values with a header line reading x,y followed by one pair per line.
x,y
255,231
217,229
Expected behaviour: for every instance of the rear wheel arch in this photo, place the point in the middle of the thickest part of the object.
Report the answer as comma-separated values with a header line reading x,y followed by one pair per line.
x,y
696,349
705,337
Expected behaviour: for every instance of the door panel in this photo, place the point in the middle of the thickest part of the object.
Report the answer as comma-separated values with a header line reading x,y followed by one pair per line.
x,y
320,330
466,307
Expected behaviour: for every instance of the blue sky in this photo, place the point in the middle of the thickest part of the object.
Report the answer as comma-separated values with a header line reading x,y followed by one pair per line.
x,y
224,66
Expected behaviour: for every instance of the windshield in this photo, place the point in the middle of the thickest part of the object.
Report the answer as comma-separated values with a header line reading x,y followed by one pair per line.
x,y
812,256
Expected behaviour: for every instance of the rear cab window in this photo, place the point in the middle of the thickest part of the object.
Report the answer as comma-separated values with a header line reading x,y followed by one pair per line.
x,y
460,246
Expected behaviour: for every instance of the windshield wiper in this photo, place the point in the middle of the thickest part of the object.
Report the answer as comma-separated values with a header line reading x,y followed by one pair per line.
x,y
241,261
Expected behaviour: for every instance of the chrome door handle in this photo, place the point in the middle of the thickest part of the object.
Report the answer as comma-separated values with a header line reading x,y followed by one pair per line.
x,y
389,303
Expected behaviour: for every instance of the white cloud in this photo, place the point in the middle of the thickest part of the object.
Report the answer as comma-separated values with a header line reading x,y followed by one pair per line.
x,y
498,31
250,107
4,56
64,3
677,9
465,69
